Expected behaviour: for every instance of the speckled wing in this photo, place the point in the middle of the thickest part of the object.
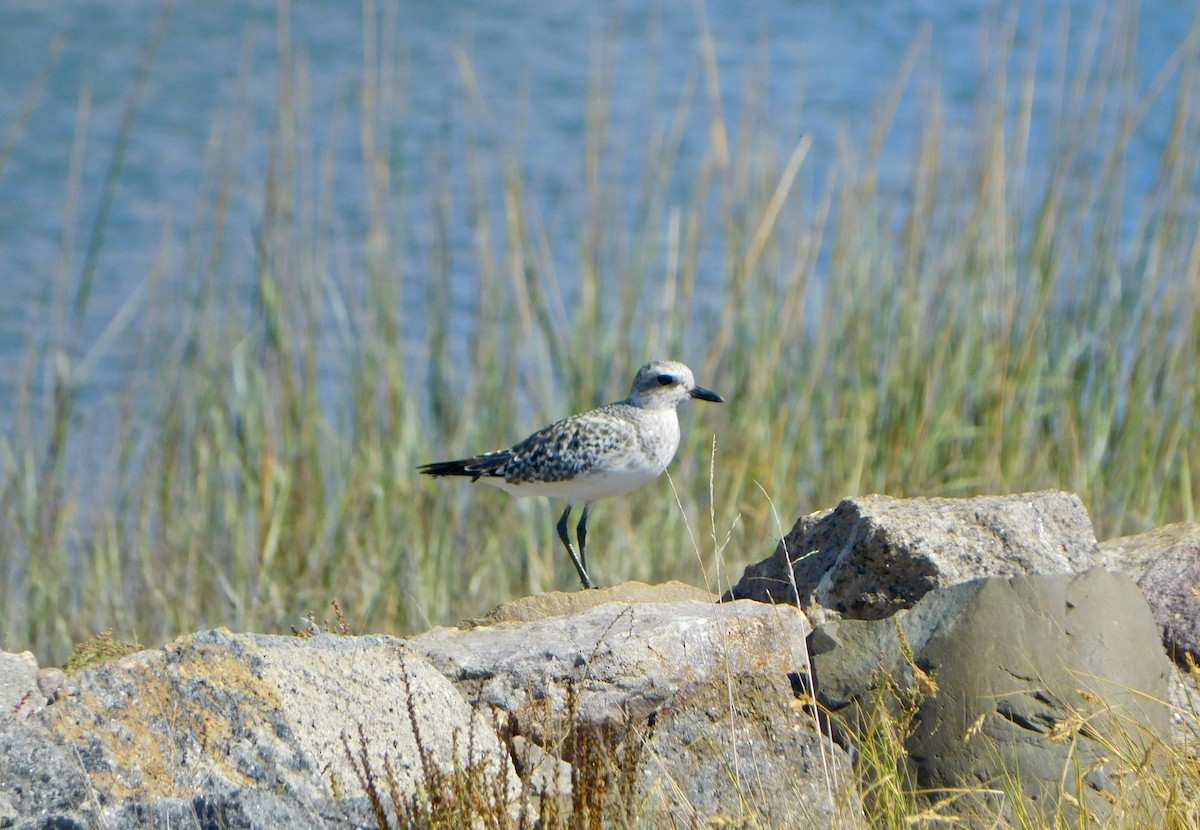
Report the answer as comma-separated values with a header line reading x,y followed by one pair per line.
x,y
570,448
562,451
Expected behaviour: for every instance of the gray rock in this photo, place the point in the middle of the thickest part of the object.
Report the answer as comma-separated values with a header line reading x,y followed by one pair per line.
x,y
741,750
1034,675
248,731
1133,555
218,713
1172,587
873,555
19,695
614,661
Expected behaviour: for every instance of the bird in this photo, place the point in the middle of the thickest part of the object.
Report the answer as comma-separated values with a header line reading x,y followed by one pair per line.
x,y
608,451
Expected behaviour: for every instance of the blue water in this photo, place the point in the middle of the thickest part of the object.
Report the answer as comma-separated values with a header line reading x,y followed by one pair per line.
x,y
216,78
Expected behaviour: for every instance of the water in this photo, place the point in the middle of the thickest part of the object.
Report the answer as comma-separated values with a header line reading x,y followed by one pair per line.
x,y
828,66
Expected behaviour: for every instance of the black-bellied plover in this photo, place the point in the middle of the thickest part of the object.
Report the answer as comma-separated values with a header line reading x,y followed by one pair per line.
x,y
603,452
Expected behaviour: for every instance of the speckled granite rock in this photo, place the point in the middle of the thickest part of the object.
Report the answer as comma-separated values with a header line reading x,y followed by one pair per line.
x,y
873,555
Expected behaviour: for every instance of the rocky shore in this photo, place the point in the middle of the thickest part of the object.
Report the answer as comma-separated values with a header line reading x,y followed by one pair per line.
x,y
1014,644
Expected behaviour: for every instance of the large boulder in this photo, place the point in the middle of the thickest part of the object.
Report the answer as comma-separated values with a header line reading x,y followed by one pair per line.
x,y
251,729
694,699
1025,693
873,555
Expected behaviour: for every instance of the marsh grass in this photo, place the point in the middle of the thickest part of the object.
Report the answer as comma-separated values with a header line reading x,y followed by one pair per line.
x,y
993,324
605,761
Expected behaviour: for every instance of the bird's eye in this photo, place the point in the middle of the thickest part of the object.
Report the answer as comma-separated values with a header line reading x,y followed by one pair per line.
x,y
665,380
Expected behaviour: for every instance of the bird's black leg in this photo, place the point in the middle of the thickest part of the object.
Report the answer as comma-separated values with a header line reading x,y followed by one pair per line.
x,y
566,540
581,532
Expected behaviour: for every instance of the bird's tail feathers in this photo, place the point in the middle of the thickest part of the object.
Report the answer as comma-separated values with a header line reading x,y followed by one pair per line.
x,y
489,464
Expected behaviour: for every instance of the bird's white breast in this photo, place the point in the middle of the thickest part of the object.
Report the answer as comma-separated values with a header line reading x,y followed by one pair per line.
x,y
659,436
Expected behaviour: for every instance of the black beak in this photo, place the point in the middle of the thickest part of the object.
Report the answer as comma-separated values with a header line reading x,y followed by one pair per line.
x,y
705,394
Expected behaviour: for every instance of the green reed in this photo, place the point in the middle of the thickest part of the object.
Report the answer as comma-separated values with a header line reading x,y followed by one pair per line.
x,y
994,325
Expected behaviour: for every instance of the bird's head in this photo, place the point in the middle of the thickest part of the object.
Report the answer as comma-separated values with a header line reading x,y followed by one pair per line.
x,y
666,383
